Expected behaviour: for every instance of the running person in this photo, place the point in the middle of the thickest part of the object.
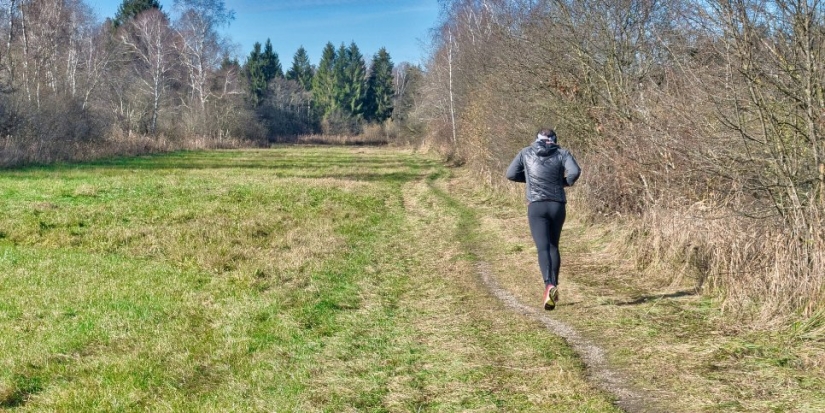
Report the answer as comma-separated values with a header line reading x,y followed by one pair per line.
x,y
547,169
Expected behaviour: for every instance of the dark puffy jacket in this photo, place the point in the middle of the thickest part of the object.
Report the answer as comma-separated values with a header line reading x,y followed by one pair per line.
x,y
546,168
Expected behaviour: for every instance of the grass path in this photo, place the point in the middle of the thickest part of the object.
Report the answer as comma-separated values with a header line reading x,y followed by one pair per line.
x,y
292,279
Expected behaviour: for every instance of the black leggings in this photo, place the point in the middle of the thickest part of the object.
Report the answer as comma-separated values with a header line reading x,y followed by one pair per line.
x,y
546,219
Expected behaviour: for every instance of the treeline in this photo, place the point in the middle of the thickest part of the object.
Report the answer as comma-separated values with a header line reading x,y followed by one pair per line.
x,y
699,125
337,97
148,79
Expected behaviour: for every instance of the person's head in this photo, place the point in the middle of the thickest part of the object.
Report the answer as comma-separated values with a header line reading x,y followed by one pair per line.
x,y
547,134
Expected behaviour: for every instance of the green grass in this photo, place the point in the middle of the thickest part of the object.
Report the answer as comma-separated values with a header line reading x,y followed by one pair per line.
x,y
291,279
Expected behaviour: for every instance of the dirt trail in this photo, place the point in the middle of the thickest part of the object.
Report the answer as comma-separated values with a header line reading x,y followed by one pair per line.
x,y
629,399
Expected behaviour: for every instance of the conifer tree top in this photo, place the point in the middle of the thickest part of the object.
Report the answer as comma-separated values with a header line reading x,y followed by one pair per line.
x,y
129,9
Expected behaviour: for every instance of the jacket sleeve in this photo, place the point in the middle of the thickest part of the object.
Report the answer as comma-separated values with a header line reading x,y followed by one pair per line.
x,y
571,170
515,172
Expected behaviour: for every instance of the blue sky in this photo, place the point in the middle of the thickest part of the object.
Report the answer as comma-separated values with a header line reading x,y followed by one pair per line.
x,y
401,26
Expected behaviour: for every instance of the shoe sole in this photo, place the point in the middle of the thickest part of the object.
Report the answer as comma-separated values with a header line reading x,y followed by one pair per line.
x,y
550,303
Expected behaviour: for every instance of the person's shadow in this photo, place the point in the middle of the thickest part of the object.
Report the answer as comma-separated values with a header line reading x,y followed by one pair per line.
x,y
646,298
640,300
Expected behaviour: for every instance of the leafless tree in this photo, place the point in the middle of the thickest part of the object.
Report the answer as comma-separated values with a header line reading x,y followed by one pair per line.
x,y
152,45
202,48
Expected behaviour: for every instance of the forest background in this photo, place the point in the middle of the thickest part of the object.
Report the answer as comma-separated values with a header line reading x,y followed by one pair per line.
x,y
698,123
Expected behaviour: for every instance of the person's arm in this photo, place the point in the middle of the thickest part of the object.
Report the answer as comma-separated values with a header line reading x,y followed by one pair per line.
x,y
515,172
571,169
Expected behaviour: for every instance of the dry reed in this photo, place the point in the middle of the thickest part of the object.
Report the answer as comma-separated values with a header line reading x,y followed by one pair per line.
x,y
765,275
340,140
17,153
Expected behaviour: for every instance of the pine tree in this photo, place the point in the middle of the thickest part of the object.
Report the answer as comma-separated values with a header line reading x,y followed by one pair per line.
x,y
301,70
129,9
339,70
270,63
353,82
260,68
324,83
228,63
380,88
256,81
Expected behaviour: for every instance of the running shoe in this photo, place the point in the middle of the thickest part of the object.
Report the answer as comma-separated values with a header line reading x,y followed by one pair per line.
x,y
554,294
549,300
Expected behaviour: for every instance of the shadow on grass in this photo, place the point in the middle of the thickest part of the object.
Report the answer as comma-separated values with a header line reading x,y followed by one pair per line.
x,y
23,388
636,301
645,298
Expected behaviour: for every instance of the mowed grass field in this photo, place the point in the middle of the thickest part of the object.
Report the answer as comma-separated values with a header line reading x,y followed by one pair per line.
x,y
279,280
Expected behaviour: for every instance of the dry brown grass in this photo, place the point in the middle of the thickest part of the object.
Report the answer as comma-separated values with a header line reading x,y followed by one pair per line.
x,y
370,139
15,153
764,276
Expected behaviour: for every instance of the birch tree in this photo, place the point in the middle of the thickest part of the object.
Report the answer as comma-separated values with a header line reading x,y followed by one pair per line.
x,y
151,43
201,46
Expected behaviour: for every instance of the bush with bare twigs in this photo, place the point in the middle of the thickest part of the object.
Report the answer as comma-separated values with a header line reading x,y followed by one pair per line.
x,y
697,125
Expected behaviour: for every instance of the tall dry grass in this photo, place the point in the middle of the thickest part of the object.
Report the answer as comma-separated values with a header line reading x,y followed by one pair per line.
x,y
373,134
17,152
337,140
764,275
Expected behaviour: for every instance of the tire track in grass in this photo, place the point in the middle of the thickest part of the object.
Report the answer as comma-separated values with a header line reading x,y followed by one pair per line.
x,y
606,377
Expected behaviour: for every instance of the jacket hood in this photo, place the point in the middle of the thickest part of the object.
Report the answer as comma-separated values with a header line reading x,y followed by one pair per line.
x,y
545,147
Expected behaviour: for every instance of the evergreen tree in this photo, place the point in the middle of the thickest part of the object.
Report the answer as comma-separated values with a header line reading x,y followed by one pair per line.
x,y
270,63
254,73
227,63
260,68
339,70
301,70
131,8
353,82
380,89
324,83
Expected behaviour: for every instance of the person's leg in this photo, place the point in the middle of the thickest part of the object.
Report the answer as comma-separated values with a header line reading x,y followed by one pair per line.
x,y
540,230
556,214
